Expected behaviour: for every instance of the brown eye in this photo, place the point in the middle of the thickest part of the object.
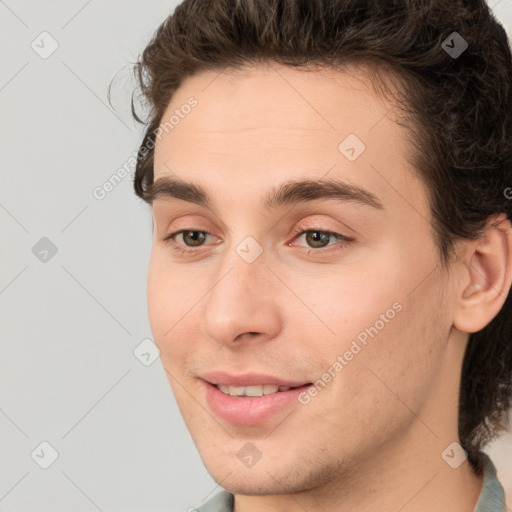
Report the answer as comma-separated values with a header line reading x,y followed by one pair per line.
x,y
317,239
193,238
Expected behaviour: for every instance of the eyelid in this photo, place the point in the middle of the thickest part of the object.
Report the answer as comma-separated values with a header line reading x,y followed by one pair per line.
x,y
172,235
342,240
312,226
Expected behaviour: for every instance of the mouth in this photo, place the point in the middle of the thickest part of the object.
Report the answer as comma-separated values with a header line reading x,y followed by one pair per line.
x,y
250,399
251,391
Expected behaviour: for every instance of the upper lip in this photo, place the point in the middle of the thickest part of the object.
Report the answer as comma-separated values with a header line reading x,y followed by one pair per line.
x,y
248,379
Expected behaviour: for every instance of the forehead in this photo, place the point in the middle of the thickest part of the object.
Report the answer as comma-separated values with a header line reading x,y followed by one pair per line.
x,y
266,98
257,126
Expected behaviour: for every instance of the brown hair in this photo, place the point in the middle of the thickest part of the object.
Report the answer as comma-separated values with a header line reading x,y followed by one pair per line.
x,y
461,134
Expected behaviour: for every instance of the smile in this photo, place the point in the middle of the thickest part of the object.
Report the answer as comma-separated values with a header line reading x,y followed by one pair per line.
x,y
266,389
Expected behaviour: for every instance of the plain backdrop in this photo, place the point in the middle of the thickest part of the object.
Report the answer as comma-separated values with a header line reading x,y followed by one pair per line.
x,y
77,393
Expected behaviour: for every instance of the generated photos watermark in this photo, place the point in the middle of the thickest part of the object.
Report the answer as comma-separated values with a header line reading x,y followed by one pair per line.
x,y
355,348
100,192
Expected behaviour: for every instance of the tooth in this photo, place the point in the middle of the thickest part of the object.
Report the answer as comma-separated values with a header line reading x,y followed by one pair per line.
x,y
253,390
268,389
236,390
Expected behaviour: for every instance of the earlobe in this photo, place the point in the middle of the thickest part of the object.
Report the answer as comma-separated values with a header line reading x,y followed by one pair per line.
x,y
487,277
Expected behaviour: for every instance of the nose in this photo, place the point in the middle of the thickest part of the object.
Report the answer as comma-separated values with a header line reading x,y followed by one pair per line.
x,y
243,303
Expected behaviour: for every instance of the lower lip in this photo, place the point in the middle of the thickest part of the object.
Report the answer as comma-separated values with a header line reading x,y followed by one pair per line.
x,y
251,410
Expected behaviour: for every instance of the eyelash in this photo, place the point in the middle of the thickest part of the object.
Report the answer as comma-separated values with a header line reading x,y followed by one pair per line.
x,y
300,230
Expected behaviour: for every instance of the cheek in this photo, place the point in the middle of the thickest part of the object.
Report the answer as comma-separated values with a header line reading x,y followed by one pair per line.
x,y
371,319
400,358
341,304
174,307
158,301
168,298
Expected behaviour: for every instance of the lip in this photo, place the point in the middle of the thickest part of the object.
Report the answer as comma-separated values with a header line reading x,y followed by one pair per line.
x,y
248,379
249,410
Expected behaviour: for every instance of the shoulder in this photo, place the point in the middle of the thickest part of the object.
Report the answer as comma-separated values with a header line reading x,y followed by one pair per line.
x,y
492,496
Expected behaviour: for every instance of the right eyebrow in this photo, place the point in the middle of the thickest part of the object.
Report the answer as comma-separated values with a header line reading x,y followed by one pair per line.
x,y
168,187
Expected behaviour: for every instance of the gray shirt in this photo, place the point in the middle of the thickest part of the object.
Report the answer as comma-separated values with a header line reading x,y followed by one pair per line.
x,y
491,499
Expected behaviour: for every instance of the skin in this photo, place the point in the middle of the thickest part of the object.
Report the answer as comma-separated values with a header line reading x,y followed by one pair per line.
x,y
373,438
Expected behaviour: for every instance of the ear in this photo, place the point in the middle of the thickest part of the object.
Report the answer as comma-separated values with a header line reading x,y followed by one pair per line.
x,y
486,276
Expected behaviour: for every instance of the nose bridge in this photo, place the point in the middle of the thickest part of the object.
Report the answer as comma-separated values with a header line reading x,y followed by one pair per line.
x,y
243,266
241,299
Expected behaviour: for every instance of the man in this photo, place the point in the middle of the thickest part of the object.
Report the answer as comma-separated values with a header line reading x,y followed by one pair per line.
x,y
332,253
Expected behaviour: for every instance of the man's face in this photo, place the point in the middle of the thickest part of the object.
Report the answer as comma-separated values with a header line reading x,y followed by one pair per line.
x,y
254,302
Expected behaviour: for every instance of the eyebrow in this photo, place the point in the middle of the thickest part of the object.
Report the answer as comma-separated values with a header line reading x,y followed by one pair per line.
x,y
288,193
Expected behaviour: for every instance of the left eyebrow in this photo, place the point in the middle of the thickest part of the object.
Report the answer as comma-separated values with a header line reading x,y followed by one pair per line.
x,y
293,192
288,193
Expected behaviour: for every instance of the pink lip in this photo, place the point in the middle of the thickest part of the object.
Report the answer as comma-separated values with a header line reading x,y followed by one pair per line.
x,y
249,410
248,379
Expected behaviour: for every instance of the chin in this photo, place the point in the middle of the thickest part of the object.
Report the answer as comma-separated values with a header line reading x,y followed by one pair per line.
x,y
248,483
269,476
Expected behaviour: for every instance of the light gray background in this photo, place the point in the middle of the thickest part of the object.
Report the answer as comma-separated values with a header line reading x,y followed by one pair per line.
x,y
70,324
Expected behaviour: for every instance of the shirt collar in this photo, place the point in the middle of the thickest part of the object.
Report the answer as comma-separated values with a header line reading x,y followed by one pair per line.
x,y
492,496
